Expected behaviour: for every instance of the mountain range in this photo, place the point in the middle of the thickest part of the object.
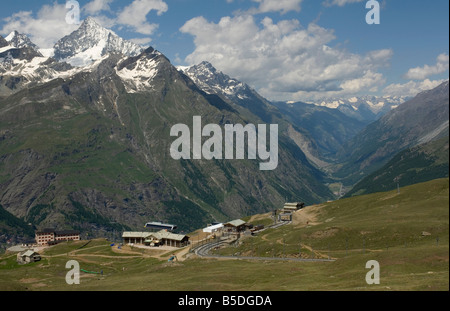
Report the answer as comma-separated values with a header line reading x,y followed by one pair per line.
x,y
85,137
87,147
420,120
363,108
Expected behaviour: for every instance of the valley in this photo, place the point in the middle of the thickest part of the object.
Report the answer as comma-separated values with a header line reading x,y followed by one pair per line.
x,y
85,140
386,227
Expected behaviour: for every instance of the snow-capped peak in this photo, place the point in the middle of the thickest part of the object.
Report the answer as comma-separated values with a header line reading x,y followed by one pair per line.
x,y
91,42
212,81
19,40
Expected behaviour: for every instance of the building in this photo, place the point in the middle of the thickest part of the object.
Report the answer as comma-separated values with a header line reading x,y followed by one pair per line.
x,y
292,207
134,237
164,238
285,217
157,226
51,236
27,257
235,226
161,238
213,228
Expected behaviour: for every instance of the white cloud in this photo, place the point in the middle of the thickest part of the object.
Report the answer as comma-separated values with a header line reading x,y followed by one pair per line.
x,y
135,15
284,60
45,29
144,42
339,2
421,73
411,88
283,6
96,6
49,24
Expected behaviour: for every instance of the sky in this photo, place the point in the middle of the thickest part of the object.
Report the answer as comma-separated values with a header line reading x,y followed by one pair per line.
x,y
291,50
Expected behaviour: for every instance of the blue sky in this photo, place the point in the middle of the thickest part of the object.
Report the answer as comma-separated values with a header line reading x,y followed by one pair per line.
x,y
286,49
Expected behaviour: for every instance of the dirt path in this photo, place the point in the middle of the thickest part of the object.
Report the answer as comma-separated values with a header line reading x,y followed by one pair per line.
x,y
316,253
307,216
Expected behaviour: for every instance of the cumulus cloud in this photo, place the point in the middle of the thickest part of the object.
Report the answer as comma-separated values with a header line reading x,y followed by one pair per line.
x,y
44,29
135,15
283,6
49,24
96,6
411,88
421,73
284,60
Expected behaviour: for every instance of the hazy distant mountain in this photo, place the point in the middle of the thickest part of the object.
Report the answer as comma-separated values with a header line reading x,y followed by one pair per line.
x,y
420,120
330,128
363,108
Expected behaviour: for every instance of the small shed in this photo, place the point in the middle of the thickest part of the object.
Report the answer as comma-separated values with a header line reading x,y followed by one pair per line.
x,y
285,217
28,256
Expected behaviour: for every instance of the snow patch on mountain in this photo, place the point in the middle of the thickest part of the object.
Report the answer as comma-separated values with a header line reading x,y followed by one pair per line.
x,y
139,75
212,81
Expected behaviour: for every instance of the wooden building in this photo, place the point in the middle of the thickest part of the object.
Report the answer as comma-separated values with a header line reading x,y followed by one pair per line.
x,y
161,238
134,237
167,239
235,226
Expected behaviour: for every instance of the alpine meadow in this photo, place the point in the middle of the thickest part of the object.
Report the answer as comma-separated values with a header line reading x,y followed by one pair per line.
x,y
242,146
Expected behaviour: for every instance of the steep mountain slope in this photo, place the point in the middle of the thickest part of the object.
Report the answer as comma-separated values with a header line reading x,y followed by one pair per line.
x,y
91,151
415,165
419,120
249,103
13,230
3,42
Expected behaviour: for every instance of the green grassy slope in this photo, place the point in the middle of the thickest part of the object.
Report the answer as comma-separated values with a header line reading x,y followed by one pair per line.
x,y
386,227
414,165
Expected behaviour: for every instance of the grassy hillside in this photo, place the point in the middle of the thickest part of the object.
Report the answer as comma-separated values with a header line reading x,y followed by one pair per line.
x,y
414,165
13,228
387,227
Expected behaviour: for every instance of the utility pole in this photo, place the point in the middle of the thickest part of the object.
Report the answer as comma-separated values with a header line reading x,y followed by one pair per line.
x,y
300,249
397,180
